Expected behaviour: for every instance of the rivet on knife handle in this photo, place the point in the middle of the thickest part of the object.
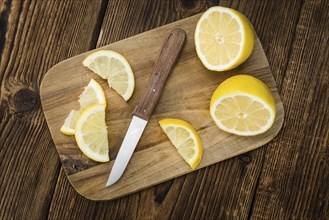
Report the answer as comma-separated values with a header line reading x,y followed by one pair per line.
x,y
168,55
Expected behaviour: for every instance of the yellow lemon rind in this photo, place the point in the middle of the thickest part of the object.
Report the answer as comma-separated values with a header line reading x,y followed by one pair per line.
x,y
244,85
78,137
194,161
99,91
67,131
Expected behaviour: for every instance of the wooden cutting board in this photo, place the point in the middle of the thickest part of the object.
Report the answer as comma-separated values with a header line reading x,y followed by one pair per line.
x,y
186,96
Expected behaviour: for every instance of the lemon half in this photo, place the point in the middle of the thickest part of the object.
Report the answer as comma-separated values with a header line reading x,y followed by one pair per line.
x,y
243,105
224,38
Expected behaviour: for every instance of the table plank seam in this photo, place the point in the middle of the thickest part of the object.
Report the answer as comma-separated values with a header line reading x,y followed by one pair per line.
x,y
100,20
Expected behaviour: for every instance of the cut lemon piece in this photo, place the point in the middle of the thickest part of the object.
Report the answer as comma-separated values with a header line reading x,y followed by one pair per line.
x,y
115,68
243,105
70,121
91,133
224,38
92,94
185,138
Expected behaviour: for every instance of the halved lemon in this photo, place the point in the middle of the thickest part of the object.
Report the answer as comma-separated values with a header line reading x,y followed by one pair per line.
x,y
243,105
224,38
92,94
115,68
185,138
91,133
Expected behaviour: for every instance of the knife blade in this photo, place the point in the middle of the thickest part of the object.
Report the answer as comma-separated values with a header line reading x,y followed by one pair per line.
x,y
169,53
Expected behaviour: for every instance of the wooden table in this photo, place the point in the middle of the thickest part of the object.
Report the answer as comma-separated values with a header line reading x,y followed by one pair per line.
x,y
287,178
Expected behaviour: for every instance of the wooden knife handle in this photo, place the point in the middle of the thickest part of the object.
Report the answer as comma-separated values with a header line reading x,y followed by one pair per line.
x,y
169,53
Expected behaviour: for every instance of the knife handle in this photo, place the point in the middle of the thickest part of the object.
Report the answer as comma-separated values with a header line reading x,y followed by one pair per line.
x,y
168,55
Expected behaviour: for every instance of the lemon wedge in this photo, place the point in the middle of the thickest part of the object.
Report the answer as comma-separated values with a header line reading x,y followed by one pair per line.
x,y
185,138
91,133
115,68
224,38
92,94
69,123
243,105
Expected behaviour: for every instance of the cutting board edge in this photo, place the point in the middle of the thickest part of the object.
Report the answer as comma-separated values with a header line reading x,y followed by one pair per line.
x,y
96,198
104,198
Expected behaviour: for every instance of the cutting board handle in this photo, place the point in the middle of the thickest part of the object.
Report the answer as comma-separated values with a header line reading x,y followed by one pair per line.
x,y
165,62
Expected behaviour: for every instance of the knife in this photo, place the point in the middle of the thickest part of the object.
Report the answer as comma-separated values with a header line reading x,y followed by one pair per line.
x,y
168,55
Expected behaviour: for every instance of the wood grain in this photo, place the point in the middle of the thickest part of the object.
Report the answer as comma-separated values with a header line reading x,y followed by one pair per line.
x,y
186,95
295,176
34,35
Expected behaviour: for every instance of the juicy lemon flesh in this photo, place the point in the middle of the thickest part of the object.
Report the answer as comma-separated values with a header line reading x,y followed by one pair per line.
x,y
99,66
92,130
224,38
91,95
115,68
242,113
243,105
69,123
185,139
91,133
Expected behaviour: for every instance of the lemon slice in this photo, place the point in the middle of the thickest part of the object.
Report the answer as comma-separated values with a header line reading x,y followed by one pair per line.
x,y
92,94
91,133
223,38
185,138
243,105
115,68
